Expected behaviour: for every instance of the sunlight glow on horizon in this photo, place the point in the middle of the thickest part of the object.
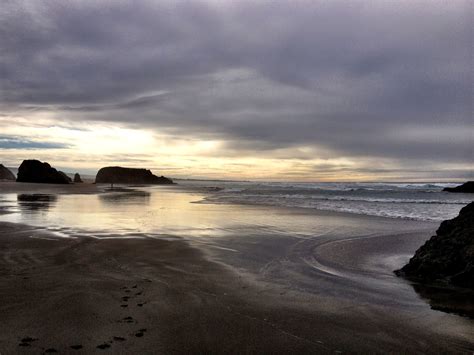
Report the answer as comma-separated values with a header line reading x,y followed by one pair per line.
x,y
90,146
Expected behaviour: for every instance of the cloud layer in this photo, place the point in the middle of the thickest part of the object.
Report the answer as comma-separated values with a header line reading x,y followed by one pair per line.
x,y
286,79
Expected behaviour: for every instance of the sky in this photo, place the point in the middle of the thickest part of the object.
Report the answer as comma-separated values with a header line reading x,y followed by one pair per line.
x,y
255,90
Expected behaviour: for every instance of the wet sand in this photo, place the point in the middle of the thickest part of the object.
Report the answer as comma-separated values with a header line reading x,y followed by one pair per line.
x,y
250,294
25,187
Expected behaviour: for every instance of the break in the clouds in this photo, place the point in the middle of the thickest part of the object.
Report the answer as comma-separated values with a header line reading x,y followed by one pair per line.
x,y
9,142
341,87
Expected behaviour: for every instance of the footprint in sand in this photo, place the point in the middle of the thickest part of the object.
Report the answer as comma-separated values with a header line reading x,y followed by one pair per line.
x,y
124,305
140,333
76,347
119,339
103,346
127,320
26,341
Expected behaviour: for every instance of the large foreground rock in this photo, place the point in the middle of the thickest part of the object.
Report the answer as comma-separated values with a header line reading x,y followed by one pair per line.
x,y
36,171
119,175
448,257
5,173
467,187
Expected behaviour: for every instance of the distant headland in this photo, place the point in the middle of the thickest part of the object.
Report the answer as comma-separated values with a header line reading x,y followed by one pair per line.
x,y
467,187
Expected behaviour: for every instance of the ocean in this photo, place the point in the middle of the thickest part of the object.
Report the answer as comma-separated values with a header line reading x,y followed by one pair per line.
x,y
417,201
204,208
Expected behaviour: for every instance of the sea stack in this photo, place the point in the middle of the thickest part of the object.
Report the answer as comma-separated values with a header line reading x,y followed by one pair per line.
x,y
5,173
467,187
77,178
448,257
119,175
38,172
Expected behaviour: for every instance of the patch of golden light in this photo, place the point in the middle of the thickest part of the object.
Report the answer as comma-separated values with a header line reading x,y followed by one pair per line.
x,y
114,140
94,145
176,147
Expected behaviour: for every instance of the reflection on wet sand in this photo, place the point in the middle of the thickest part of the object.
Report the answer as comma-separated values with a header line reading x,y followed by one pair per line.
x,y
125,196
36,202
451,300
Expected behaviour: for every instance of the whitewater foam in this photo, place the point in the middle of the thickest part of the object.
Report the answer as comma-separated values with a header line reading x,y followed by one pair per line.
x,y
418,201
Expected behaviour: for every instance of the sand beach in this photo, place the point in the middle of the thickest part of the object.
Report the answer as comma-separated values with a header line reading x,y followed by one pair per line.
x,y
245,278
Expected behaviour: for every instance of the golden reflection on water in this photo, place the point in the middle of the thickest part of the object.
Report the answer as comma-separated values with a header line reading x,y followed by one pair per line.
x,y
165,210
142,210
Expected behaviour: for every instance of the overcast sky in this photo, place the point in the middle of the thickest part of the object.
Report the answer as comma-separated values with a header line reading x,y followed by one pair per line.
x,y
296,90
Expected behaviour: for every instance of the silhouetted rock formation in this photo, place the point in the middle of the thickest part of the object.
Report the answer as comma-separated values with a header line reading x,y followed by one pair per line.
x,y
467,187
36,171
448,257
77,178
69,180
6,174
119,175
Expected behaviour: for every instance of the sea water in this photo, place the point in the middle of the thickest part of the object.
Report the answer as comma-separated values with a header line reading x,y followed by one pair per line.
x,y
417,201
202,205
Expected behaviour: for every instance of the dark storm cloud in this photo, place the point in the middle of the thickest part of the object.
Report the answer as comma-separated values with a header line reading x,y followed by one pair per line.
x,y
349,79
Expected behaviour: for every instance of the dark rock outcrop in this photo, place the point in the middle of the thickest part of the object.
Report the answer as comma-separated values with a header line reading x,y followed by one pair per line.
x,y
77,178
119,175
36,171
467,187
448,257
69,180
6,174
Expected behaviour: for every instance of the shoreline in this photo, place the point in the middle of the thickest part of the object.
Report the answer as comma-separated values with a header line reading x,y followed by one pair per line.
x,y
7,187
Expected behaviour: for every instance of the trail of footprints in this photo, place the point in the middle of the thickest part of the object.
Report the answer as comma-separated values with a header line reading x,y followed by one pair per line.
x,y
130,294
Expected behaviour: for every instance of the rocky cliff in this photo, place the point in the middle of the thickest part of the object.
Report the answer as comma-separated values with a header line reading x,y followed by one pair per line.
x,y
36,171
448,257
6,174
119,175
